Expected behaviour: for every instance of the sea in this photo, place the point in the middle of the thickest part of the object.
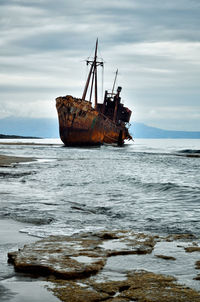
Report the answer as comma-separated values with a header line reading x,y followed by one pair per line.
x,y
149,185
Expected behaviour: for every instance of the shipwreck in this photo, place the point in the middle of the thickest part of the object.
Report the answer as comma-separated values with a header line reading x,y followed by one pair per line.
x,y
84,124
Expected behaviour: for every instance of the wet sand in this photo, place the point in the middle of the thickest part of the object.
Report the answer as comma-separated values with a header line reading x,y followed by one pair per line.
x,y
6,160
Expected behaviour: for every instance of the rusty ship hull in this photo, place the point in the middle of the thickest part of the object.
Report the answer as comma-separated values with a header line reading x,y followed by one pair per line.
x,y
80,124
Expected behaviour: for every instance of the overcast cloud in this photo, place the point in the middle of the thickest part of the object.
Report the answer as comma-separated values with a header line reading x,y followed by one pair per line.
x,y
155,46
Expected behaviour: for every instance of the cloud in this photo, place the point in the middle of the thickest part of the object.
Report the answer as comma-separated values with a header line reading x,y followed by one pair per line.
x,y
181,118
155,46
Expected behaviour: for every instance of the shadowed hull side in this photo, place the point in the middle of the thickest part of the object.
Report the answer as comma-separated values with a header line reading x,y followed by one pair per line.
x,y
80,124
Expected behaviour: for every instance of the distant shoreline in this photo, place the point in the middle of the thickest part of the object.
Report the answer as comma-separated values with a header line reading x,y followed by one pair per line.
x,y
5,136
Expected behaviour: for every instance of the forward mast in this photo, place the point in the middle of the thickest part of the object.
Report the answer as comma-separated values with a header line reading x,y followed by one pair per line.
x,y
92,76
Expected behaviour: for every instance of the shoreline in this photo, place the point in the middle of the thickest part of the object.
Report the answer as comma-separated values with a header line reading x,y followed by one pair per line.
x,y
7,160
17,287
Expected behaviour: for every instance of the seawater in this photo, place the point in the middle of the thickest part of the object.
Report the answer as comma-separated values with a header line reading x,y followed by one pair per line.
x,y
147,186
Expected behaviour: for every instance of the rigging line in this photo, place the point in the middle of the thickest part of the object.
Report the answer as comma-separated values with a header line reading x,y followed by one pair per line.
x,y
86,71
102,84
116,73
91,88
99,51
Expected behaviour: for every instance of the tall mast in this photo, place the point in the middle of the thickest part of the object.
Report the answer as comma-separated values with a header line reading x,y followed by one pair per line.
x,y
93,73
95,88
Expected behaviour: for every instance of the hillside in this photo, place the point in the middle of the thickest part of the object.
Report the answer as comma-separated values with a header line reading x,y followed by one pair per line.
x,y
48,128
36,127
139,130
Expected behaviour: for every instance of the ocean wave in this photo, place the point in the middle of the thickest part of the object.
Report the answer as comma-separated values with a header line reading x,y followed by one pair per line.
x,y
27,219
171,187
188,153
173,228
15,175
162,186
92,210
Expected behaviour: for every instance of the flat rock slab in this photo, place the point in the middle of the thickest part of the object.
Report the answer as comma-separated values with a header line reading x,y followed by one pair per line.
x,y
140,286
78,256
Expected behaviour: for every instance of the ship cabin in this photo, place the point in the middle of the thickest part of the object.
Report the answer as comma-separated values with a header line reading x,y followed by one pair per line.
x,y
113,108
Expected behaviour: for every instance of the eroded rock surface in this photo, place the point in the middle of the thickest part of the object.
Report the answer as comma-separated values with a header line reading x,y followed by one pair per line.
x,y
63,257
191,249
80,256
73,266
139,286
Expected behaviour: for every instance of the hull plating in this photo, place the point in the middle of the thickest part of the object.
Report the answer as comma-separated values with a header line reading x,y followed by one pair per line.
x,y
80,124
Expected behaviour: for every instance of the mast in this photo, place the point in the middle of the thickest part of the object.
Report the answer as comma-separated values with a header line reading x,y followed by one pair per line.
x,y
93,72
95,75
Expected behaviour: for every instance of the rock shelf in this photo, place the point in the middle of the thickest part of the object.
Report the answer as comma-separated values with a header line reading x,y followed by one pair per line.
x,y
140,286
73,265
80,256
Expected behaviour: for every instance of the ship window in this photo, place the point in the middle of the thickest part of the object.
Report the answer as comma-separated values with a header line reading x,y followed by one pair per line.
x,y
80,112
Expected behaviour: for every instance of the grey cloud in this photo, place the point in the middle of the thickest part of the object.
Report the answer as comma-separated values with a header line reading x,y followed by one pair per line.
x,y
155,45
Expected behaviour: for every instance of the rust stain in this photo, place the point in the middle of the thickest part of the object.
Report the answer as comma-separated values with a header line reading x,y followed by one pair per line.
x,y
81,124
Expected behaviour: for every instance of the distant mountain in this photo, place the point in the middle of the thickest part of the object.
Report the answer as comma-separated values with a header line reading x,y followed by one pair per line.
x,y
37,127
48,128
139,130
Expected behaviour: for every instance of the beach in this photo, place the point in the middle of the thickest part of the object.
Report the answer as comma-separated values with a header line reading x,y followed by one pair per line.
x,y
6,160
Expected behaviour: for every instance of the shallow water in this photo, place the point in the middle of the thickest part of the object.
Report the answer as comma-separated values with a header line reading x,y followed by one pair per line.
x,y
149,185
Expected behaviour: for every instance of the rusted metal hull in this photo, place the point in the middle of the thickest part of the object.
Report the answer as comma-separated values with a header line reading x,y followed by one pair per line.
x,y
80,124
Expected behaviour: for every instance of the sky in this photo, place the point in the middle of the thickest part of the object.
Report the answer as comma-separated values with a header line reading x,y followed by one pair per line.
x,y
154,44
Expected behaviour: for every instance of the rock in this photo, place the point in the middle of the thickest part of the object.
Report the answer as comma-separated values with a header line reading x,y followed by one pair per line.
x,y
77,292
140,286
108,236
166,257
72,265
63,257
182,236
79,256
197,277
191,249
197,264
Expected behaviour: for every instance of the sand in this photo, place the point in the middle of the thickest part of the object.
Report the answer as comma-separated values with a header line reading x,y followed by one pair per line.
x,y
6,160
